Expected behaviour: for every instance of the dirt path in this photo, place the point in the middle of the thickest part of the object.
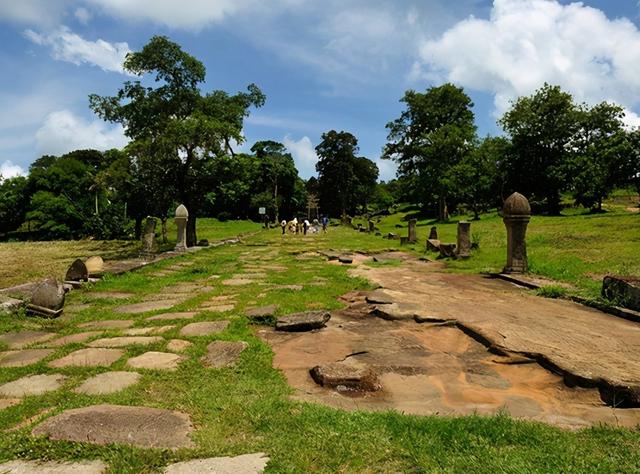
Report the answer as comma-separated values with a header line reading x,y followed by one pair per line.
x,y
430,368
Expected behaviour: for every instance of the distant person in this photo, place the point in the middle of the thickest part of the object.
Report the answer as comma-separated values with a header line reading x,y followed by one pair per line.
x,y
325,223
305,226
283,224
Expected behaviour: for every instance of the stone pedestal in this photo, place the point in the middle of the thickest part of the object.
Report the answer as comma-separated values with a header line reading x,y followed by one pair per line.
x,y
463,248
412,231
182,216
372,227
433,234
516,216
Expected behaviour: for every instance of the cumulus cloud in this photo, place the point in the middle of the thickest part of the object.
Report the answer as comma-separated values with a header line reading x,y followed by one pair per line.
x,y
525,43
40,12
82,15
9,170
304,155
71,47
63,132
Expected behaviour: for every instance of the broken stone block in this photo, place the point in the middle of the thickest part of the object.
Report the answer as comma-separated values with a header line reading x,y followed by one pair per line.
x,y
223,353
77,271
306,321
433,245
47,298
624,291
262,314
95,265
345,259
447,250
347,375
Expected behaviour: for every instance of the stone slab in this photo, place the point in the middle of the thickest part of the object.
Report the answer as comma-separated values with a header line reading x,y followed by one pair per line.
x,y
217,308
108,382
178,345
346,376
32,385
116,295
262,313
53,467
72,339
18,340
204,328
223,353
108,324
24,357
148,330
172,316
91,357
306,321
125,341
106,424
153,360
243,464
238,282
8,402
145,306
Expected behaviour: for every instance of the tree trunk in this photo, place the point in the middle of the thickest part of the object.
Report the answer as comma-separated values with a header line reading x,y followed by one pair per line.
x,y
164,230
192,238
97,212
443,211
275,200
137,232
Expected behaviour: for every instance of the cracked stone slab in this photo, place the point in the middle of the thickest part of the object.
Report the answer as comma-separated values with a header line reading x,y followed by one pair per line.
x,y
178,345
148,330
24,357
204,328
306,321
18,340
145,306
125,341
92,357
154,360
32,385
108,382
72,339
223,353
53,467
108,324
172,316
106,424
246,464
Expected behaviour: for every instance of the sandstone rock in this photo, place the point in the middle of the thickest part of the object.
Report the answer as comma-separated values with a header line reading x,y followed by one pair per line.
x,y
217,308
106,424
625,291
24,357
204,328
95,265
178,345
244,464
146,306
108,382
49,294
108,324
303,321
172,316
345,259
92,357
447,250
116,295
125,341
223,353
77,271
53,467
346,376
263,313
8,402
148,330
32,385
153,360
397,311
433,245
18,340
9,305
238,282
72,339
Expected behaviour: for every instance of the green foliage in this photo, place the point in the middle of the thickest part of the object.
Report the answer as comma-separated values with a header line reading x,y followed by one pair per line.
x,y
14,201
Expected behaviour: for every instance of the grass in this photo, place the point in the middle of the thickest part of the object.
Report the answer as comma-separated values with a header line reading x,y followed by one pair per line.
x,y
23,262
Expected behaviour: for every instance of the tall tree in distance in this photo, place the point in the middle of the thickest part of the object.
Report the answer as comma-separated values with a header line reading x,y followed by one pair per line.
x,y
344,180
176,119
432,135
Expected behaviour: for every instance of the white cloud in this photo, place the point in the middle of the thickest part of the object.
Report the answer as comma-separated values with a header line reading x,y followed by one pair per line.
x,y
525,43
304,155
63,132
631,119
68,46
9,170
82,15
39,12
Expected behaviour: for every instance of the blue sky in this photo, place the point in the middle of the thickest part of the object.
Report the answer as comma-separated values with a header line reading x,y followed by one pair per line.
x,y
331,64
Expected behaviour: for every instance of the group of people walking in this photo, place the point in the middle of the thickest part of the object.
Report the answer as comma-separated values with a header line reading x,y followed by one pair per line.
x,y
304,227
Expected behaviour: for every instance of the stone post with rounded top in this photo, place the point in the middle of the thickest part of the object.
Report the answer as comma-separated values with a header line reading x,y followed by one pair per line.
x,y
182,216
516,216
463,248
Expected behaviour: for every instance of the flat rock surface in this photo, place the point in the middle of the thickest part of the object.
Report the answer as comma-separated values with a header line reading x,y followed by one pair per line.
x,y
108,324
238,282
223,353
243,464
108,382
204,328
217,308
32,385
262,313
178,345
72,339
18,340
346,375
153,360
145,306
104,424
8,402
147,330
306,321
172,316
92,357
124,341
23,357
53,467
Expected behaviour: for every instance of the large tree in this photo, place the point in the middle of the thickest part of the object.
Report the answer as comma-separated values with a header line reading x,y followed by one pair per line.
x,y
344,179
432,135
174,119
542,128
